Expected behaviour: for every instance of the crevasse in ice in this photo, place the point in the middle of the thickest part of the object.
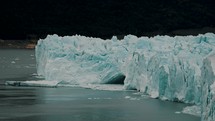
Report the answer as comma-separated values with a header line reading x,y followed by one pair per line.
x,y
176,68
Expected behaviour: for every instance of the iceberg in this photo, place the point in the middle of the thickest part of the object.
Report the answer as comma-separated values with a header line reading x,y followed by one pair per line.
x,y
179,68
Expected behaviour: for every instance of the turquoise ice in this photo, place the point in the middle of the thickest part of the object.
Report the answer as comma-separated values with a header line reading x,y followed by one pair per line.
x,y
179,68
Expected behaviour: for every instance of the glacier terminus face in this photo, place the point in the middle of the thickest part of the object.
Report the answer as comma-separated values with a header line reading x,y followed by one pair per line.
x,y
180,68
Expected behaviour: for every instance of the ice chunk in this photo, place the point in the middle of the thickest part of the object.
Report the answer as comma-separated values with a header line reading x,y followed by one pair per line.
x,y
114,87
178,112
16,59
38,83
192,110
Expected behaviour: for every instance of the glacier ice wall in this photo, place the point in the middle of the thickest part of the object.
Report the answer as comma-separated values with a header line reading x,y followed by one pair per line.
x,y
208,89
80,60
170,68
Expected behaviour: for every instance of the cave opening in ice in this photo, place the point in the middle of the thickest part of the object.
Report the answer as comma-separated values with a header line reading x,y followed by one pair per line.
x,y
119,79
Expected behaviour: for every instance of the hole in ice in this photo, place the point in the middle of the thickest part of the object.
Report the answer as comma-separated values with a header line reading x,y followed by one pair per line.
x,y
119,79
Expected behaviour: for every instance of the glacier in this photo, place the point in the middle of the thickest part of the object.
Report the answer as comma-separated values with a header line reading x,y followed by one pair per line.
x,y
179,68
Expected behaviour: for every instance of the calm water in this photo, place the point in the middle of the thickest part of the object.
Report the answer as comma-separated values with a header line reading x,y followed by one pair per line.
x,y
73,104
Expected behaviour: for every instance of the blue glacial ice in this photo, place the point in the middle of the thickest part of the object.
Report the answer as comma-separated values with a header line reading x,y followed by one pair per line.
x,y
208,89
179,68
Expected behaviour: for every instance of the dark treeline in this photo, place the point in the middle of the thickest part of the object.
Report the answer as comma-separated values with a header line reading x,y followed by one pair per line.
x,y
102,18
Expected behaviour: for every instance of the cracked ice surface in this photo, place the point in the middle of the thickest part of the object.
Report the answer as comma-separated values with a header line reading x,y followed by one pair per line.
x,y
170,68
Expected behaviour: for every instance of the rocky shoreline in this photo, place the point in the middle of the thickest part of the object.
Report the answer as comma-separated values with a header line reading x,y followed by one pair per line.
x,y
18,44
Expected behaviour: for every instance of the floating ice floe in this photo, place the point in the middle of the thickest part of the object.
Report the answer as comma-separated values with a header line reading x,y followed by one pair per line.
x,y
38,83
13,62
192,110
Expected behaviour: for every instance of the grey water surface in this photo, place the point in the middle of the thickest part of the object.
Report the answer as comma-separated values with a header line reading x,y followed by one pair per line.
x,y
72,103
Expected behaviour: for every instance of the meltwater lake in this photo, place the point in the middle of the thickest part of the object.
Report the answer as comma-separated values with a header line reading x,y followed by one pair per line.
x,y
73,103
